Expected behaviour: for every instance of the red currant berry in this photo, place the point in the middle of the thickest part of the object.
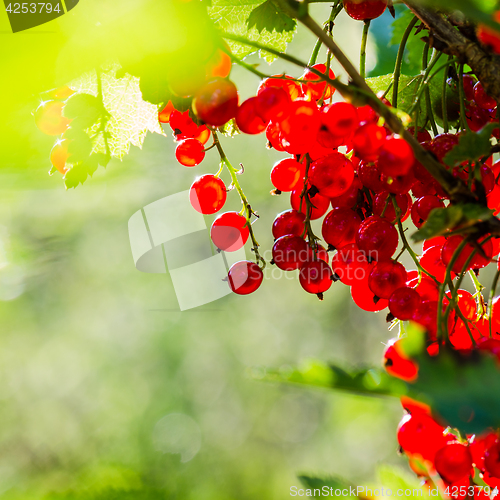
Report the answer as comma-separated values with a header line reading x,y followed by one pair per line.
x,y
478,260
49,118
431,261
340,118
442,144
404,302
492,459
332,175
351,197
317,90
300,127
216,102
315,276
291,87
453,462
273,135
59,155
397,364
364,10
382,204
289,222
245,277
219,64
319,203
368,140
349,265
483,100
272,103
396,157
469,82
419,433
190,152
229,231
400,184
426,316
422,208
208,194
489,36
290,252
378,238
370,176
182,125
166,112
247,118
286,174
365,299
386,277
340,227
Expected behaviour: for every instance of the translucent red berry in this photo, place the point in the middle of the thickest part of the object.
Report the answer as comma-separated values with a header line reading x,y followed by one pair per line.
x,y
290,252
368,140
319,203
229,231
395,157
317,90
340,118
247,118
340,227
483,100
286,174
289,222
378,238
315,276
453,462
216,102
332,175
364,10
397,364
245,277
386,277
190,152
404,302
272,103
208,194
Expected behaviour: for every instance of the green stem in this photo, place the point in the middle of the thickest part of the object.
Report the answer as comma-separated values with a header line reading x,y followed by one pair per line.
x,y
362,58
246,206
461,97
399,60
446,126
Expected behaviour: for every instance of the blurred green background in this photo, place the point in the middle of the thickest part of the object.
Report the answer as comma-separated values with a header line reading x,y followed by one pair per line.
x,y
105,390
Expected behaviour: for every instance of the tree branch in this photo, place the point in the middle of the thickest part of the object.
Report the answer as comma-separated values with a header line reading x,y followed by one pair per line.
x,y
451,41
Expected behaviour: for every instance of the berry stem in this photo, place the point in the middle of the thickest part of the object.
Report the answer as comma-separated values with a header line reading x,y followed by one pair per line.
x,y
445,96
247,209
490,299
399,61
428,102
461,97
311,237
362,57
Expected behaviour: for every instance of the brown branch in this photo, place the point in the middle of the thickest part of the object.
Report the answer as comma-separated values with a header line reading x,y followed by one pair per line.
x,y
452,41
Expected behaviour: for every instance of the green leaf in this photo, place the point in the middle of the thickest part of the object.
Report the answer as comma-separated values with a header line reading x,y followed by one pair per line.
x,y
327,484
80,144
268,16
83,109
231,17
453,216
394,479
77,174
471,146
465,392
374,381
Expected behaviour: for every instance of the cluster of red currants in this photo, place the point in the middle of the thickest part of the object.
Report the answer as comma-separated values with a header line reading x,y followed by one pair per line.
x,y
480,109
432,449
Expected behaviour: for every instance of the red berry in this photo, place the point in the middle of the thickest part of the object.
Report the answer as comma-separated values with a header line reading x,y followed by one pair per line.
x,y
489,36
290,252
272,103
349,265
291,87
247,118
340,227
404,302
332,175
386,277
315,276
383,204
340,118
273,135
229,231
469,82
364,10
190,152
216,102
396,157
442,144
370,176
422,208
431,261
245,277
208,194
419,433
300,127
49,118
478,261
289,222
483,100
182,125
219,64
166,112
286,174
59,155
350,198
365,299
426,316
378,238
397,364
368,140
492,459
317,90
319,203
453,462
